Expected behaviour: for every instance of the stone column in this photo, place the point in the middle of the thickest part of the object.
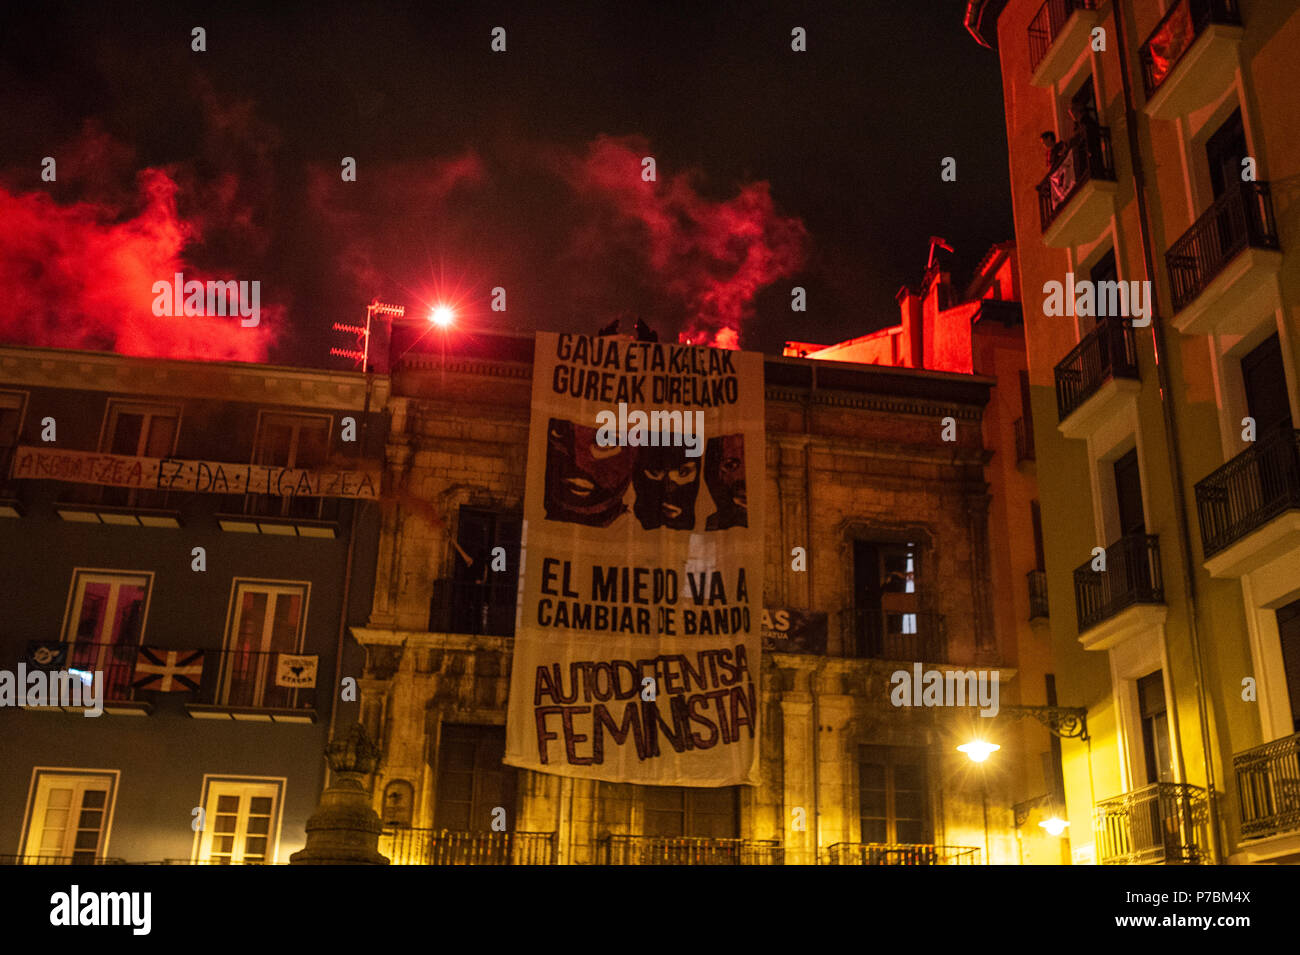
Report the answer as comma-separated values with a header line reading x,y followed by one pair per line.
x,y
344,829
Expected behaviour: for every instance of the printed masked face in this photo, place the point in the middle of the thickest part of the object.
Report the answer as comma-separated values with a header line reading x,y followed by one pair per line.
x,y
666,483
724,473
585,482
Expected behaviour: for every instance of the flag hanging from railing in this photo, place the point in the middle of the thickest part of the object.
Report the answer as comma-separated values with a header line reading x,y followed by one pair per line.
x,y
167,671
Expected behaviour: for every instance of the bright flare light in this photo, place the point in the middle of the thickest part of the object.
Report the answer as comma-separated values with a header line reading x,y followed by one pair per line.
x,y
442,316
978,750
1055,826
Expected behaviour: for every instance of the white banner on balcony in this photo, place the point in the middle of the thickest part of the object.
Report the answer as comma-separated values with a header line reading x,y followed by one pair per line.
x,y
636,654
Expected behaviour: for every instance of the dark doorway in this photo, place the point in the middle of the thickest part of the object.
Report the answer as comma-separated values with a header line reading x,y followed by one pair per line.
x,y
1264,378
1288,630
1225,150
1128,494
472,779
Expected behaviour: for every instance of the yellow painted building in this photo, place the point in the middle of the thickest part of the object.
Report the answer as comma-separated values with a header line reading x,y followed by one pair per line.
x,y
1157,143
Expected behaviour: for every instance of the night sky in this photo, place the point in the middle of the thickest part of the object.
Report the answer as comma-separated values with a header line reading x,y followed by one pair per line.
x,y
478,169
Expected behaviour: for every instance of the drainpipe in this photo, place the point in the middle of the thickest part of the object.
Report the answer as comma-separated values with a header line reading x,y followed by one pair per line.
x,y
347,572
815,677
1171,437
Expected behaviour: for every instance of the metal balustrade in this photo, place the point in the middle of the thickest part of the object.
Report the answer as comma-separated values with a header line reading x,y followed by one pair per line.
x,y
405,846
1132,576
1164,823
1249,491
689,850
1268,787
1178,29
1241,218
1109,351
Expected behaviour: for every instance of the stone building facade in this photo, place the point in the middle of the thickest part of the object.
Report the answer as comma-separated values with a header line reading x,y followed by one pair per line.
x,y
893,523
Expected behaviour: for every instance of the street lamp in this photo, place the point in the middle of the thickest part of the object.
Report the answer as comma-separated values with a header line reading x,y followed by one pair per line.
x,y
1054,826
978,750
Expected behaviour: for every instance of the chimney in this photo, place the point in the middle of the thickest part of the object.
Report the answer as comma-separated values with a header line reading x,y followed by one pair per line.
x,y
909,309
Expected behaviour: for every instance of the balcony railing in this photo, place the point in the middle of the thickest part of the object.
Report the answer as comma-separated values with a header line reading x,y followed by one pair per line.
x,y
473,608
873,634
1241,218
1132,576
77,858
451,847
1024,440
1037,594
689,850
1176,32
1108,351
1087,156
1047,25
879,853
1250,490
1268,784
1164,823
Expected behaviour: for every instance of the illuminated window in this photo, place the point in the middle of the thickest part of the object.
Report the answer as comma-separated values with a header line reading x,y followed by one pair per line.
x,y
290,441
267,618
68,817
241,821
138,430
105,622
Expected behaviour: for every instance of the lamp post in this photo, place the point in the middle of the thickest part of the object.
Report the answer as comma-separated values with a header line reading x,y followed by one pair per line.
x,y
979,751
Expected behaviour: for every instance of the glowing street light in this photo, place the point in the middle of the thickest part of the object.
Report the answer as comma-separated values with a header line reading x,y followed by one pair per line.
x,y
442,316
978,750
1055,826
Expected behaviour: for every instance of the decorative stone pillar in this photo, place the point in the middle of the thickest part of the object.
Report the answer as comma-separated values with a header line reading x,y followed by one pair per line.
x,y
344,829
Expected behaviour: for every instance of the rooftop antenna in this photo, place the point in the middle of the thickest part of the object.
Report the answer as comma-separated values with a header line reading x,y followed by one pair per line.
x,y
936,242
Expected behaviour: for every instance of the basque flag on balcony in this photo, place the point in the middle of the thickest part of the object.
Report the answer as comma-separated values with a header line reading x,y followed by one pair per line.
x,y
167,671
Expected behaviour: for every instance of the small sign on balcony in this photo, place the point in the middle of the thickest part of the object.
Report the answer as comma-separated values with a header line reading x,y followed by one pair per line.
x,y
296,670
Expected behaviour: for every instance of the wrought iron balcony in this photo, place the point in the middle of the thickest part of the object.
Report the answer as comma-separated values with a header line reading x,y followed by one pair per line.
x,y
875,634
479,609
405,846
1087,157
1249,491
1047,25
1174,35
1024,440
1268,785
77,858
1108,351
879,853
1241,218
689,850
1164,823
1037,594
1132,576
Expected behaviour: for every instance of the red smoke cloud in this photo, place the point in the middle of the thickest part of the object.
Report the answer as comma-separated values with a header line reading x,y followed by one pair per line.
x,y
81,276
712,257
